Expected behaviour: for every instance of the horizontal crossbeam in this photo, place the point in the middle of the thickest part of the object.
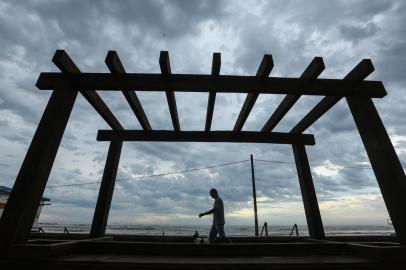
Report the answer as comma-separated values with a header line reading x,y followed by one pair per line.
x,y
207,83
203,136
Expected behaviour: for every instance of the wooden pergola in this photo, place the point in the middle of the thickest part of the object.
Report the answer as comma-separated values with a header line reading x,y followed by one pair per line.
x,y
32,178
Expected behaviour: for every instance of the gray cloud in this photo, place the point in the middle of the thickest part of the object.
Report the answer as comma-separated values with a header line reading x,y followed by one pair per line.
x,y
293,32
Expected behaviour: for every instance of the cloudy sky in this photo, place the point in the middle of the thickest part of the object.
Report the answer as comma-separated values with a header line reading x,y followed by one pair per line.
x,y
342,32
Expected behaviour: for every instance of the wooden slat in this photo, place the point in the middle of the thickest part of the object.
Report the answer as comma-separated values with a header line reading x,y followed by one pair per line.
x,y
116,67
165,65
62,60
206,83
202,136
264,70
215,71
312,71
359,73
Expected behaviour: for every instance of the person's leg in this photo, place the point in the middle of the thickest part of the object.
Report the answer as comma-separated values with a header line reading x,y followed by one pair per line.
x,y
220,230
212,234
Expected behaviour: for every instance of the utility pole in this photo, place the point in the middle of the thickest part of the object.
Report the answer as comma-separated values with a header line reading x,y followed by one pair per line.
x,y
254,195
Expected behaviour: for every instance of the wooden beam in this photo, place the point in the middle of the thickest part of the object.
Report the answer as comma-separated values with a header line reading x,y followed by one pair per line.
x,y
105,196
384,160
263,71
215,72
25,197
207,83
357,75
165,65
62,60
202,136
116,67
312,71
311,206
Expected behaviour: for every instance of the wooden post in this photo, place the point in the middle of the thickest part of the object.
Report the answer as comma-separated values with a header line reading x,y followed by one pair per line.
x,y
101,212
311,206
22,205
254,195
385,163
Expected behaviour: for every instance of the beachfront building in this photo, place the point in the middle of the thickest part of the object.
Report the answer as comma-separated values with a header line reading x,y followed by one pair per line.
x,y
4,195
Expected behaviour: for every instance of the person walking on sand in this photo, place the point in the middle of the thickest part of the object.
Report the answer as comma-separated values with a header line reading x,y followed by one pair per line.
x,y
218,217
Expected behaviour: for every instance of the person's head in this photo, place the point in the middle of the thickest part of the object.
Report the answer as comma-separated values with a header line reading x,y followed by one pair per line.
x,y
213,193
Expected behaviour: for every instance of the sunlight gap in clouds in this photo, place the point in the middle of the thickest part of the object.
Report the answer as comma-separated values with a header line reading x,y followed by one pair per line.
x,y
327,169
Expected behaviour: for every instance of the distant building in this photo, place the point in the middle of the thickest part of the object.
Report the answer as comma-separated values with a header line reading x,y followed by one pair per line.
x,y
5,193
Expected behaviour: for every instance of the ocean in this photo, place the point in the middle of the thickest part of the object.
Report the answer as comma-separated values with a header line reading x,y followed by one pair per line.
x,y
231,230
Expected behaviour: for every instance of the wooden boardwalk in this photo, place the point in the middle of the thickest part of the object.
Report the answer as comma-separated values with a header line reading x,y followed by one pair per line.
x,y
178,252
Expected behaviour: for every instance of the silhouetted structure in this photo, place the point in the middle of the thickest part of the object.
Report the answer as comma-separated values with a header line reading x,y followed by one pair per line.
x,y
29,186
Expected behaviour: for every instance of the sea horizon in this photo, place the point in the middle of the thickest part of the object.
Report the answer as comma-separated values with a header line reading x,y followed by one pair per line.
x,y
231,230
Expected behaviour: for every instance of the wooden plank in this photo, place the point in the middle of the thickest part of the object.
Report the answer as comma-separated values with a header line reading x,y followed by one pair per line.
x,y
165,65
105,196
21,208
358,74
312,71
116,67
215,72
263,71
62,60
207,83
311,206
384,160
202,136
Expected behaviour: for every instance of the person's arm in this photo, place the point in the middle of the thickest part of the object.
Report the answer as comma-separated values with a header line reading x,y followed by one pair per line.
x,y
206,213
211,211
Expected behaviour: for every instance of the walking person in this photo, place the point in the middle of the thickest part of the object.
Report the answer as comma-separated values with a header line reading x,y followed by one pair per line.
x,y
218,217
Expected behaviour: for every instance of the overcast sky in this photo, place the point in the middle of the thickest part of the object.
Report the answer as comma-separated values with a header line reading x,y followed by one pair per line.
x,y
342,32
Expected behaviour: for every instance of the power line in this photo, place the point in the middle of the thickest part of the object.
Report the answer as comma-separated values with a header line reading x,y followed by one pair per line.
x,y
316,164
274,161
155,175
202,168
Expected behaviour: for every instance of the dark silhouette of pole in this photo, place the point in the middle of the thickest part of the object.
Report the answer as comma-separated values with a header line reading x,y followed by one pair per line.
x,y
101,213
311,206
254,195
